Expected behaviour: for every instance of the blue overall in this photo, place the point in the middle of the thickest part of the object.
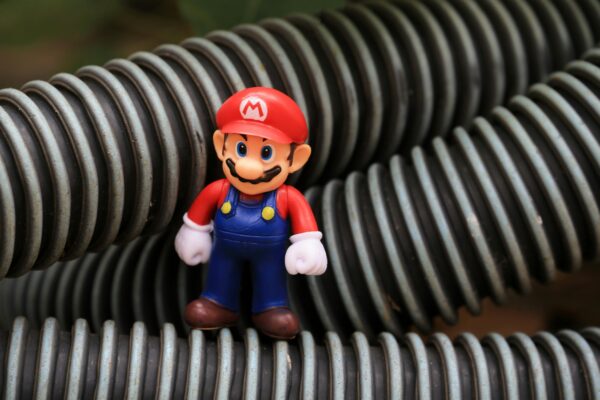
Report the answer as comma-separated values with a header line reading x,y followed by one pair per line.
x,y
248,233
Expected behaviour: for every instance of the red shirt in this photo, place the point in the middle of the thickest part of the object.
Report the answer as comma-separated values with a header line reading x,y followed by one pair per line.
x,y
290,203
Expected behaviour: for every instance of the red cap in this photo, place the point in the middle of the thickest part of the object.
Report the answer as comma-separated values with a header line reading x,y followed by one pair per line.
x,y
263,112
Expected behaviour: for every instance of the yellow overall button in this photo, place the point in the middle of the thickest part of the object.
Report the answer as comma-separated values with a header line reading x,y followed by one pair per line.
x,y
268,213
226,208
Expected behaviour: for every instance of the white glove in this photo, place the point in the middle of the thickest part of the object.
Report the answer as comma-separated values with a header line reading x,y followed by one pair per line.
x,y
193,243
306,255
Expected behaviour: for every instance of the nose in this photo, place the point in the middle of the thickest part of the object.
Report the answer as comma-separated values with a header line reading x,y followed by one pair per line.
x,y
249,168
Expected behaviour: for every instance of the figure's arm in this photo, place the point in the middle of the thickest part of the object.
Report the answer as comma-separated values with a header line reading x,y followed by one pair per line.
x,y
306,255
203,208
193,242
300,213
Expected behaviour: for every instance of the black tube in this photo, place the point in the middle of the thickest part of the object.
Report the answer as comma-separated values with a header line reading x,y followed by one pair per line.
x,y
53,364
515,199
120,150
141,281
471,217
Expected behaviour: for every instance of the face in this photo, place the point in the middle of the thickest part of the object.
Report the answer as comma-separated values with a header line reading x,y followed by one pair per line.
x,y
254,165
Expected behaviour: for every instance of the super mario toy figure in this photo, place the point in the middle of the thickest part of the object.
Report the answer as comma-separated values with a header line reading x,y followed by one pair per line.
x,y
260,141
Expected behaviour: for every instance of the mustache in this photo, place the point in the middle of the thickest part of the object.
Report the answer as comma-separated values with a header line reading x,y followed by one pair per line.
x,y
268,175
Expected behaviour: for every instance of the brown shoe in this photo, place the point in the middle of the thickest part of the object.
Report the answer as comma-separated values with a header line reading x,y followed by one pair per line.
x,y
206,314
278,323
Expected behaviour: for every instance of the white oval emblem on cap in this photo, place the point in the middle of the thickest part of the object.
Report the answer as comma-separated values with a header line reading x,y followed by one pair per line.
x,y
253,107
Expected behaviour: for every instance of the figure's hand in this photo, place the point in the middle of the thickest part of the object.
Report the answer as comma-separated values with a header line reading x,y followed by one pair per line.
x,y
306,255
193,242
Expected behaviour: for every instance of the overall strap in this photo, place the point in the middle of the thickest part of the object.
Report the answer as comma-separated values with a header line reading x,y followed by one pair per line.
x,y
269,206
231,201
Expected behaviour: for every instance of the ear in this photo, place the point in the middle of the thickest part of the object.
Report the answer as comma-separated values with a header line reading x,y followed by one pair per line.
x,y
219,142
301,155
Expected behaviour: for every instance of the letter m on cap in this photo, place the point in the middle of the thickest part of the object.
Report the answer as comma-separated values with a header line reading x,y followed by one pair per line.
x,y
253,107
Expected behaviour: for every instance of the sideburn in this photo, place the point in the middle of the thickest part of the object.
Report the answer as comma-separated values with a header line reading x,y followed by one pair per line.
x,y
291,156
224,140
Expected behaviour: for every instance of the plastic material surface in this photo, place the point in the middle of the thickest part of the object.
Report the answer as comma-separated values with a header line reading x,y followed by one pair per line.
x,y
515,200
117,151
54,364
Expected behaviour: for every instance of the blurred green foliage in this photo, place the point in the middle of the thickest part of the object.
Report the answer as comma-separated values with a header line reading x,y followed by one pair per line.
x,y
205,16
24,22
39,38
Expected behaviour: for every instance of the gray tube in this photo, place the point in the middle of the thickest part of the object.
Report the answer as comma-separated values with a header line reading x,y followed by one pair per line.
x,y
512,201
543,366
113,152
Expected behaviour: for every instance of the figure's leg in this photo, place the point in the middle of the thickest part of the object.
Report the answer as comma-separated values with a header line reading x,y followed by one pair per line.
x,y
224,276
270,309
269,279
219,303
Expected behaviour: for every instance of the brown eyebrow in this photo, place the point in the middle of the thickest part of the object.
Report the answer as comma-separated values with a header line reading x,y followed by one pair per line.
x,y
264,139
244,136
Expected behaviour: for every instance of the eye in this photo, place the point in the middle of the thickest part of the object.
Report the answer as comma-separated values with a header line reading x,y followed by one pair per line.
x,y
266,153
241,149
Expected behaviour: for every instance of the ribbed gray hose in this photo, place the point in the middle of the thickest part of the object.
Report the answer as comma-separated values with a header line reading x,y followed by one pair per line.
x,y
120,150
141,281
513,200
50,364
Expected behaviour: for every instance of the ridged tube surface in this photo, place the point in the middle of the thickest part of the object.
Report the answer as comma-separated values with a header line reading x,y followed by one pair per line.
x,y
141,281
514,199
55,364
113,152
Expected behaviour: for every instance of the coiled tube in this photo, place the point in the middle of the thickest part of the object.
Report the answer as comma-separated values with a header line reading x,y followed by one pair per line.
x,y
400,239
141,281
113,152
78,365
514,200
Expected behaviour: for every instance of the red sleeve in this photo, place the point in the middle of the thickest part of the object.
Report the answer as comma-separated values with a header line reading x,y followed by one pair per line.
x,y
204,207
298,210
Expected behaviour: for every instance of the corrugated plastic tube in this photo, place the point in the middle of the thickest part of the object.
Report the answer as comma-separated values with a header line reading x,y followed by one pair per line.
x,y
55,364
113,152
140,281
472,216
514,199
